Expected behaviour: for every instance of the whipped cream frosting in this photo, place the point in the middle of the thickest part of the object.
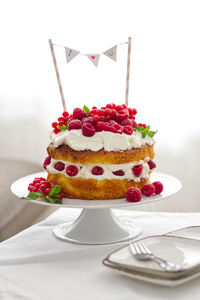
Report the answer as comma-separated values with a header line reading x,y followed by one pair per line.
x,y
85,171
105,139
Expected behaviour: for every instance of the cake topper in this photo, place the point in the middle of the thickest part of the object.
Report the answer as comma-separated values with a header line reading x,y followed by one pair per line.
x,y
94,58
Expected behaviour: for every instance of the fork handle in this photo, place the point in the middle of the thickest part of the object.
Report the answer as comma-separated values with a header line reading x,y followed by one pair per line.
x,y
167,266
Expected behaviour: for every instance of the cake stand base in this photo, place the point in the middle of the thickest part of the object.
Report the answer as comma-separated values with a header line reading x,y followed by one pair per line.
x,y
97,227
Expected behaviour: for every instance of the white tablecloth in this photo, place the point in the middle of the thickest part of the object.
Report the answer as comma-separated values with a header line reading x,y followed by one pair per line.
x,y
34,264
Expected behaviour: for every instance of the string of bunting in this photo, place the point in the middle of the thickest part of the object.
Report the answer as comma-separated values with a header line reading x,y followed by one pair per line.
x,y
94,58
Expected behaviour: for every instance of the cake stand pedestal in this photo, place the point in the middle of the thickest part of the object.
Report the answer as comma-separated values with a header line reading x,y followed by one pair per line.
x,y
97,224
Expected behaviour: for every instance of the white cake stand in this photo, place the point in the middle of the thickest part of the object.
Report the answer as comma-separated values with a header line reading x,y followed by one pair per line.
x,y
97,224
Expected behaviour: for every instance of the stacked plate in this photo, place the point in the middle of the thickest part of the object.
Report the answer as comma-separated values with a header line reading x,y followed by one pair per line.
x,y
181,247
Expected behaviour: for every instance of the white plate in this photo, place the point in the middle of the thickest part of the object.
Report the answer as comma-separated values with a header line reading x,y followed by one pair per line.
x,y
158,281
181,251
191,232
171,186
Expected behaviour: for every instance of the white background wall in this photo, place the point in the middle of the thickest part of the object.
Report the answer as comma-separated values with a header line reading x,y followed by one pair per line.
x,y
164,81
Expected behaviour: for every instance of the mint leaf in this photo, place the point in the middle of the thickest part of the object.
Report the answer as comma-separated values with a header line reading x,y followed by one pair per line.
x,y
53,200
55,190
139,128
86,109
63,127
147,128
34,195
152,133
144,135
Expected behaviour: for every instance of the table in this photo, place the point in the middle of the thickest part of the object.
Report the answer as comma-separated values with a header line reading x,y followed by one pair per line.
x,y
35,265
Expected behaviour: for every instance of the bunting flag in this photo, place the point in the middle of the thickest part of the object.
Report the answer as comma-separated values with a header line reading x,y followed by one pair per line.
x,y
70,54
111,53
94,58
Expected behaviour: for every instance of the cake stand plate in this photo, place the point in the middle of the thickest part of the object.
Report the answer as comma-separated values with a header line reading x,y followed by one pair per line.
x,y
97,223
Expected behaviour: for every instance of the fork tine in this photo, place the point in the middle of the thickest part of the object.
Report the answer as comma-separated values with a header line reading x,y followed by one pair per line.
x,y
140,246
132,248
146,249
137,248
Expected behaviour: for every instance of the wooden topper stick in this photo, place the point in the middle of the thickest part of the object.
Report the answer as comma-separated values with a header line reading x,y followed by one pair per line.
x,y
57,75
128,70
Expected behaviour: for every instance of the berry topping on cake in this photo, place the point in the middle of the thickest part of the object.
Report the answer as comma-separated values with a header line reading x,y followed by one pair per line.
x,y
59,166
102,126
158,187
137,170
71,170
119,173
47,162
74,124
128,129
133,194
117,119
79,113
88,129
148,190
116,128
97,171
151,164
41,188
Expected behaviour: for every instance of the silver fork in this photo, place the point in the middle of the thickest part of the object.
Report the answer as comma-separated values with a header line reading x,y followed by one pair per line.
x,y
141,252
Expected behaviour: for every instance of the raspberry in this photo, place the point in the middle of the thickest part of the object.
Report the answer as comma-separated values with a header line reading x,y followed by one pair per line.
x,y
108,112
65,114
79,113
111,122
102,118
94,107
148,190
54,124
119,173
121,115
74,124
37,186
119,107
124,106
97,171
47,162
43,187
137,170
101,112
46,192
133,194
88,120
61,119
142,125
127,122
71,170
56,130
128,130
113,114
88,129
116,128
59,166
96,118
111,106
158,187
151,164
134,111
102,126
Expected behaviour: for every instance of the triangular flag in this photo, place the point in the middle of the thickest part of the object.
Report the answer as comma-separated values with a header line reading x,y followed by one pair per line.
x,y
112,53
70,53
94,58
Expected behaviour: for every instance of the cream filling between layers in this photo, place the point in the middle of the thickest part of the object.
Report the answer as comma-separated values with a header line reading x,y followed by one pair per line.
x,y
85,171
105,139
